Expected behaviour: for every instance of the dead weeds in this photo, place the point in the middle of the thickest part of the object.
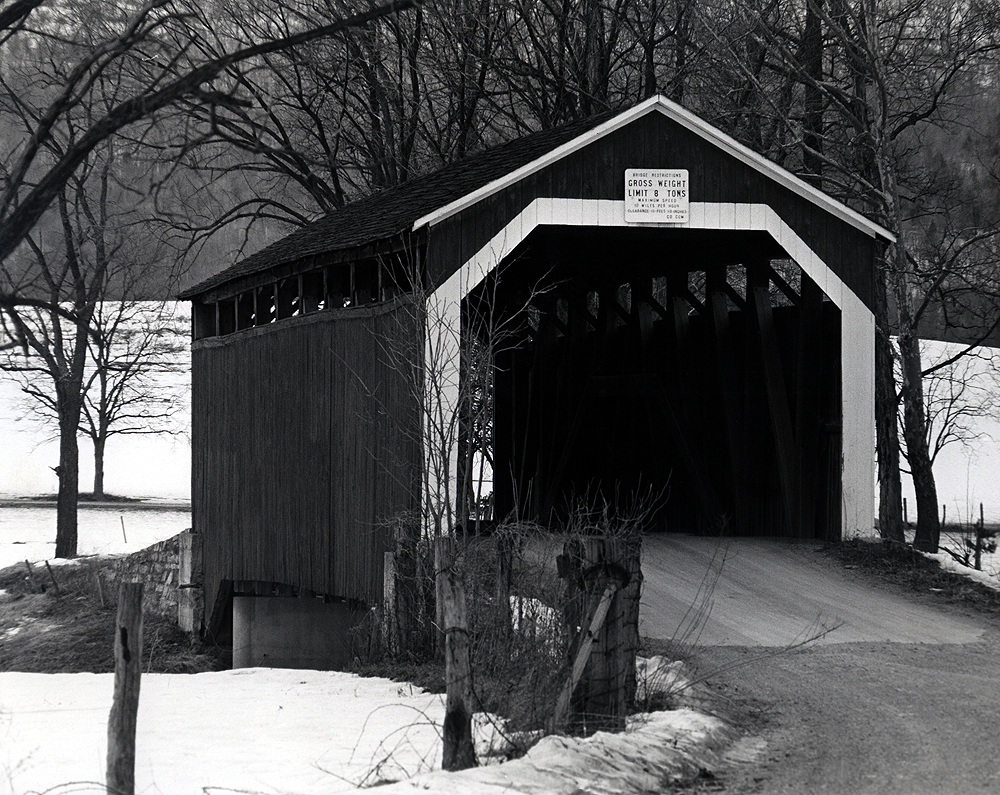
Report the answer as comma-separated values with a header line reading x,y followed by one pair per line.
x,y
62,621
908,570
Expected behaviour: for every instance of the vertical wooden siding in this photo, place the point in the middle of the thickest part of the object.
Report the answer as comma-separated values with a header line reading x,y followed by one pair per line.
x,y
304,444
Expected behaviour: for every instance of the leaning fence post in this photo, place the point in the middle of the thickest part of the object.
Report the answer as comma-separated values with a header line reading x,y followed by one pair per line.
x,y
603,582
125,705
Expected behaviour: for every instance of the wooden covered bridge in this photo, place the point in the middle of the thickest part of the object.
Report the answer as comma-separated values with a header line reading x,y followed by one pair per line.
x,y
695,319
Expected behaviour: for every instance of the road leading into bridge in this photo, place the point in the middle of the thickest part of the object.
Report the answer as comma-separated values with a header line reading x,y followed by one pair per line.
x,y
766,592
902,697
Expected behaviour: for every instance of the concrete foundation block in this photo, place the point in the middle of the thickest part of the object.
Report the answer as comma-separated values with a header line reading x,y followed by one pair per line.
x,y
287,632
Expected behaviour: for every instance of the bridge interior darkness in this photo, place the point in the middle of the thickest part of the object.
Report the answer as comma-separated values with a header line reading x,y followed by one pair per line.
x,y
699,367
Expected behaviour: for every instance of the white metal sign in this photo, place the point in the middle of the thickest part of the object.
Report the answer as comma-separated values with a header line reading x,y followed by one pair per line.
x,y
656,195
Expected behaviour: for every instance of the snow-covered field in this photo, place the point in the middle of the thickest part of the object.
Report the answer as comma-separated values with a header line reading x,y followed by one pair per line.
x,y
28,532
252,730
305,732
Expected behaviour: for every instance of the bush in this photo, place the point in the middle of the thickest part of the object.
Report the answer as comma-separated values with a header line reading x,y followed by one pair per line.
x,y
520,615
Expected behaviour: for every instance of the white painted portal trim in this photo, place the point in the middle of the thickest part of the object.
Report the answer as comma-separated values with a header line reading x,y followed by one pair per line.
x,y
857,322
684,117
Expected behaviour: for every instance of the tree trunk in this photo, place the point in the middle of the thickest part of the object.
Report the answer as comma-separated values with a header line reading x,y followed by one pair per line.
x,y
890,509
649,87
679,79
812,121
912,394
459,749
99,444
68,397
928,534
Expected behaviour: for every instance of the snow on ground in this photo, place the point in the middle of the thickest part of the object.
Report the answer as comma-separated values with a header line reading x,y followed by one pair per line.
x,y
988,576
28,532
990,561
666,747
271,731
255,730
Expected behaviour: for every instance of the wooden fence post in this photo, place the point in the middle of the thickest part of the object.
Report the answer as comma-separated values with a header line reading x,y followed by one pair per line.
x,y
390,606
35,587
125,706
604,580
582,656
190,589
459,749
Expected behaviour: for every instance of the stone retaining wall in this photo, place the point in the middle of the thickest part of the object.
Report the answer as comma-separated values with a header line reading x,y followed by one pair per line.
x,y
160,568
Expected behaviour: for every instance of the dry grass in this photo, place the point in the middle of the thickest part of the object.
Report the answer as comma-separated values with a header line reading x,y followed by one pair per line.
x,y
519,642
63,622
905,568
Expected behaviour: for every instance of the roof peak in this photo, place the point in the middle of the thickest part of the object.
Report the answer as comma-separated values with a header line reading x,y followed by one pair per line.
x,y
433,197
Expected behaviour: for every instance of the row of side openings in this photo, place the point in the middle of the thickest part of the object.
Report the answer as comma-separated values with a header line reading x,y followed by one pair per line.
x,y
335,286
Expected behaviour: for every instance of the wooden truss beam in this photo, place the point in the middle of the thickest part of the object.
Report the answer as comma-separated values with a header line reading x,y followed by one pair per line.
x,y
780,283
758,287
728,388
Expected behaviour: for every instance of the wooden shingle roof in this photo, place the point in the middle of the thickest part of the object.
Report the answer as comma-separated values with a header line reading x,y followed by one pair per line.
x,y
393,211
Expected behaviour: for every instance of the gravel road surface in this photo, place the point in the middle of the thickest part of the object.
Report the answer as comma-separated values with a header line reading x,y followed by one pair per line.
x,y
902,695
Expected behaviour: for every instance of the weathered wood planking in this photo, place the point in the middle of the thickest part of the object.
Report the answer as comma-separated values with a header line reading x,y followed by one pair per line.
x,y
305,442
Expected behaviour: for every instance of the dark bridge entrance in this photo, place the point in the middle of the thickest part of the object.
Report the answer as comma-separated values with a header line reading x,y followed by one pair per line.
x,y
700,367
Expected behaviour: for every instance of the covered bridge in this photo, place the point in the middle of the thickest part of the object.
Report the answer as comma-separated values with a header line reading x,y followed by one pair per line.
x,y
695,319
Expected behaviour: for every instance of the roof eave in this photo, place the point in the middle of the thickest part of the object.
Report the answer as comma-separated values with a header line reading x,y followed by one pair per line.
x,y
210,289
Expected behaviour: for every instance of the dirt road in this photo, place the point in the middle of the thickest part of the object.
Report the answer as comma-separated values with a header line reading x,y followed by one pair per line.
x,y
865,718
763,592
904,697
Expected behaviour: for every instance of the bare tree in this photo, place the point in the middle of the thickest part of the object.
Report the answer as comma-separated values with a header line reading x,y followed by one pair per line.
x,y
560,60
75,79
958,392
132,375
136,360
342,117
891,71
92,255
168,49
